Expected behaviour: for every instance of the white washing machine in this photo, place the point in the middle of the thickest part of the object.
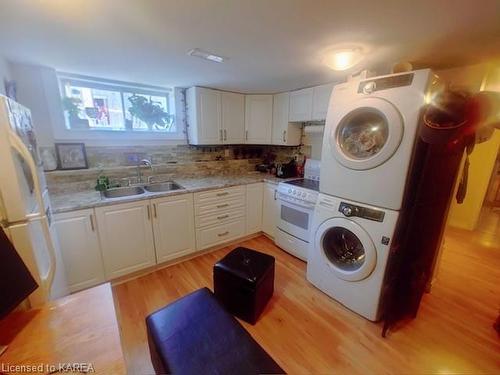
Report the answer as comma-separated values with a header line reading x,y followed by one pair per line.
x,y
348,252
369,136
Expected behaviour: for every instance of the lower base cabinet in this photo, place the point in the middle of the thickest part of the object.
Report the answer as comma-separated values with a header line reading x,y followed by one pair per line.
x,y
270,209
211,236
126,237
173,224
254,207
80,251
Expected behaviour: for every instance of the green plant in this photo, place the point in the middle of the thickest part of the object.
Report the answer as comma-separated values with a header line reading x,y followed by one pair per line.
x,y
150,112
71,106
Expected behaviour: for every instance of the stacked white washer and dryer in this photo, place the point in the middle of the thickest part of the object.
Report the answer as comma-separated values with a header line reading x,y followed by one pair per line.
x,y
368,143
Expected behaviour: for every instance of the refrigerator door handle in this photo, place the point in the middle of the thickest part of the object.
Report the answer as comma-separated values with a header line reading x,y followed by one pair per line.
x,y
21,148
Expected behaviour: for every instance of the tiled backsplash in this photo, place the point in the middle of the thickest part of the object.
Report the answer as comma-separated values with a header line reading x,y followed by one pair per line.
x,y
169,162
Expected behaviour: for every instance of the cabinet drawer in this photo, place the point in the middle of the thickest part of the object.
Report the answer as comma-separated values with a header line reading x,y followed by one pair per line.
x,y
220,195
219,217
212,236
220,206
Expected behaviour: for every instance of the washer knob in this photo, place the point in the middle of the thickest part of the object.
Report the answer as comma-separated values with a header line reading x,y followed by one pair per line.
x,y
347,211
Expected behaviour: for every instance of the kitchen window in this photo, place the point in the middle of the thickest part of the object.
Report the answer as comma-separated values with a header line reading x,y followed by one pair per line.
x,y
97,105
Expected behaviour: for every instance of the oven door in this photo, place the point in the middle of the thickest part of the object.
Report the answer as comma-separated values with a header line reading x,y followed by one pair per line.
x,y
295,219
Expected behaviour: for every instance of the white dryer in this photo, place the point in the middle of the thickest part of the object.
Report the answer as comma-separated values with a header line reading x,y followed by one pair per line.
x,y
369,136
348,252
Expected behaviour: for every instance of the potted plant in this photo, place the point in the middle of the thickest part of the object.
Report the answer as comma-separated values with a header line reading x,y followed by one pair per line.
x,y
150,112
72,110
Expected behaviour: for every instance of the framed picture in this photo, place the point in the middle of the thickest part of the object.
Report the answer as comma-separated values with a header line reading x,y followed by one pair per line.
x,y
71,156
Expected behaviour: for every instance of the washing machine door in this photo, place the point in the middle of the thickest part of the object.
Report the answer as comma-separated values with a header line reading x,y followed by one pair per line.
x,y
347,249
366,133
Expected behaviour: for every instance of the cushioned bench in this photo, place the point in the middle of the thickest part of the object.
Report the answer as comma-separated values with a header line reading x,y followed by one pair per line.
x,y
195,335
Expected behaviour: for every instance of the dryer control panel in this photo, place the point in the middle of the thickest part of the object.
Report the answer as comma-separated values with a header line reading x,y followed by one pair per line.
x,y
384,83
349,209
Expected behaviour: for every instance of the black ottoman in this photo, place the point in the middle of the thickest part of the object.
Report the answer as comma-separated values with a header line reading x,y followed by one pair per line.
x,y
196,335
244,282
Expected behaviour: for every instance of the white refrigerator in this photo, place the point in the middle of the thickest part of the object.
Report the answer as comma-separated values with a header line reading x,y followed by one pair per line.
x,y
25,213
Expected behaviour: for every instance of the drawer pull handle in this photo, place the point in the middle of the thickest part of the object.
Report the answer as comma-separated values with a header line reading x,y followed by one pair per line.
x,y
222,217
149,212
154,210
222,194
222,205
223,234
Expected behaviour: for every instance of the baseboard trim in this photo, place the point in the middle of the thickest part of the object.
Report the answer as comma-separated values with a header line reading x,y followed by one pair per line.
x,y
156,267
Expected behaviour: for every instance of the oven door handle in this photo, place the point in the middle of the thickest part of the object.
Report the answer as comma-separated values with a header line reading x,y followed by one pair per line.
x,y
303,206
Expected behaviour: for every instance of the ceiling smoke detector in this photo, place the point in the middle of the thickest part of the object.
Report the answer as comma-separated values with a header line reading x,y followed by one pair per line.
x,y
206,55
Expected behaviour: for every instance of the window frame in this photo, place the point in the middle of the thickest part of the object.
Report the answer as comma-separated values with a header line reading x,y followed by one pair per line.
x,y
66,132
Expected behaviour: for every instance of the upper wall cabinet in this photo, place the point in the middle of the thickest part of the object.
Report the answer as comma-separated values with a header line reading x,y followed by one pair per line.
x,y
321,99
215,117
233,117
310,104
258,119
284,133
301,105
204,116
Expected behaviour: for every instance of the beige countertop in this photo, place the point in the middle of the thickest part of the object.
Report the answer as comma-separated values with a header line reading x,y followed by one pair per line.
x,y
64,202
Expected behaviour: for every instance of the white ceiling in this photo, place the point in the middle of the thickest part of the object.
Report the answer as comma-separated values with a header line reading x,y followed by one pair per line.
x,y
272,45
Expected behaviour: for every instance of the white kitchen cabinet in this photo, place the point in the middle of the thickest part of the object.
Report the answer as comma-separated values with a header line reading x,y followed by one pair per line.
x,y
301,103
270,207
220,233
254,199
126,237
219,216
258,119
233,118
204,116
173,226
79,243
284,133
215,117
321,99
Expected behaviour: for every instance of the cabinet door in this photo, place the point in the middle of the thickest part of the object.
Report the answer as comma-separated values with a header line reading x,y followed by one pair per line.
x,y
254,207
284,133
270,210
173,224
126,237
281,105
79,244
321,99
204,116
301,105
233,117
258,119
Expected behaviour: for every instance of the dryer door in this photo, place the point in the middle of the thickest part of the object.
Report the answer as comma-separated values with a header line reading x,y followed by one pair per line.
x,y
347,248
366,133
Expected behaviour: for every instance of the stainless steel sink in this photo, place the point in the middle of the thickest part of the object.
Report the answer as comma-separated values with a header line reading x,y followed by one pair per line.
x,y
164,186
123,192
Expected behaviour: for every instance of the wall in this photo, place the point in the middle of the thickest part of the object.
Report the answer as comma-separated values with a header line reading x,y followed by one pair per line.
x,y
482,162
5,74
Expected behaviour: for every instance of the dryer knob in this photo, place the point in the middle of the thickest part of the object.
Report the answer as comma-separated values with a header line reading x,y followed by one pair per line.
x,y
369,87
347,211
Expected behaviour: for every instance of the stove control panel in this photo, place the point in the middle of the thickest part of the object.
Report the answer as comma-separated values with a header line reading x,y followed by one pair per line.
x,y
296,194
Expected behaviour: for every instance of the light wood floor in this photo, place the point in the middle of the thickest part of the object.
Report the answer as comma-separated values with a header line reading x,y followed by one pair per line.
x,y
307,332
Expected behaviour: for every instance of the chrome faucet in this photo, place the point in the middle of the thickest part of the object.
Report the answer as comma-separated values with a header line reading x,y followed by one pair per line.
x,y
145,162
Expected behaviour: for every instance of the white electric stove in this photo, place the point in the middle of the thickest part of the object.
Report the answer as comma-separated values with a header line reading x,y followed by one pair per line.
x,y
297,200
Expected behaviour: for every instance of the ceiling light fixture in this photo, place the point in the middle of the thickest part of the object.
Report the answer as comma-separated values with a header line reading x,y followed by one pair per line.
x,y
343,59
206,55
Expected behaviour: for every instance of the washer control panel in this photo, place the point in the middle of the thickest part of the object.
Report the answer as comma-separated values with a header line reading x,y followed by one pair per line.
x,y
348,209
